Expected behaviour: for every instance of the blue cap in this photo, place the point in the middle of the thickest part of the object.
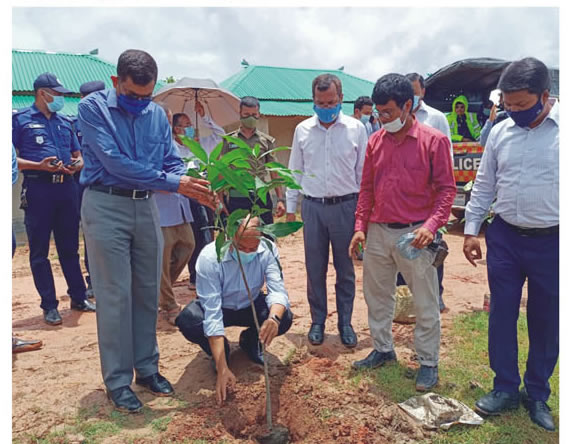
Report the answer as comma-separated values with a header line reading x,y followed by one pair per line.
x,y
91,87
49,80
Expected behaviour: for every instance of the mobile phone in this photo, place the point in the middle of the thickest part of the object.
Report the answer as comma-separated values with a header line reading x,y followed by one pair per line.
x,y
54,162
74,162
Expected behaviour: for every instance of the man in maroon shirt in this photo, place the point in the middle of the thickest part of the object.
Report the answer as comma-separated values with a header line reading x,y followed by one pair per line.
x,y
407,186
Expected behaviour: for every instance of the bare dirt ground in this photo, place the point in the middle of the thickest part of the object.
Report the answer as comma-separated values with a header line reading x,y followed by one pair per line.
x,y
312,393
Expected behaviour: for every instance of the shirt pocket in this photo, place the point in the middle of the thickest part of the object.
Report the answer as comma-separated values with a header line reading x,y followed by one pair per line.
x,y
415,175
35,137
154,150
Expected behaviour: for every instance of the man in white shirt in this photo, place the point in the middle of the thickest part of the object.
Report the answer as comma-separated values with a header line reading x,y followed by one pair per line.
x,y
520,166
329,148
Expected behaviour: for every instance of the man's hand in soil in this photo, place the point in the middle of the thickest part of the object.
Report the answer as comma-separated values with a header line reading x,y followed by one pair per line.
x,y
197,189
423,237
225,378
359,238
471,249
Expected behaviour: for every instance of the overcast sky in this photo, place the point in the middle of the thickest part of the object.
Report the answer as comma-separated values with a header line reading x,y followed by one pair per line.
x,y
368,42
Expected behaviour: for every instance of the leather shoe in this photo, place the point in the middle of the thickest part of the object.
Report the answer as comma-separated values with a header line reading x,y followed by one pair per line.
x,y
85,305
316,334
496,402
20,346
539,412
249,342
348,336
156,384
52,317
427,378
125,400
375,359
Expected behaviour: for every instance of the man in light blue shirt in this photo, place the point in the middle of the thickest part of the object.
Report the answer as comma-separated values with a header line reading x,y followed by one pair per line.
x,y
520,166
128,155
223,302
175,219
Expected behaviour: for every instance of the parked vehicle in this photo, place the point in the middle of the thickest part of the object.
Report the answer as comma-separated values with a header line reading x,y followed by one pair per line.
x,y
475,78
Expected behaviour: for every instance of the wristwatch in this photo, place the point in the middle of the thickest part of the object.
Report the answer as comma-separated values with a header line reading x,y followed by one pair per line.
x,y
276,319
282,199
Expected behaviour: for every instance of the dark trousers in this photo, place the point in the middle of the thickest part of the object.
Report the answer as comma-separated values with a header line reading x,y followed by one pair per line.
x,y
201,234
190,321
234,203
53,208
440,273
325,225
511,258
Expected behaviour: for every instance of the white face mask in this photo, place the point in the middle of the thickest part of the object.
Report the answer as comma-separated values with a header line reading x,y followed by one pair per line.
x,y
395,125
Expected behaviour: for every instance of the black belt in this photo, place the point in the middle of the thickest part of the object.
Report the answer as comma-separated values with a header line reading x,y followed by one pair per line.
x,y
397,225
332,200
133,194
48,177
532,232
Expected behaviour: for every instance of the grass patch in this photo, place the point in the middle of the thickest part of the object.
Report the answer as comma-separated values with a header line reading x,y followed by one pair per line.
x,y
289,356
160,424
468,362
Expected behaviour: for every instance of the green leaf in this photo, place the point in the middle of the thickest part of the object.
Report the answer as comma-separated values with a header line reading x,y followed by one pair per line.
x,y
194,173
270,245
275,150
226,247
259,183
275,165
233,155
238,142
262,193
260,211
219,243
468,186
233,179
195,148
215,153
280,229
231,225
256,150
442,230
241,163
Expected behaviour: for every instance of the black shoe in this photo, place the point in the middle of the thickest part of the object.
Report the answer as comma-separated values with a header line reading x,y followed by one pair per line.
x,y
227,351
427,378
85,305
375,359
348,336
125,400
52,317
496,402
539,412
156,384
249,342
316,334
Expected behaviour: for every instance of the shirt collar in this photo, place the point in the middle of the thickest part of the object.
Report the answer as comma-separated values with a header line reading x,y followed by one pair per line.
x,y
112,101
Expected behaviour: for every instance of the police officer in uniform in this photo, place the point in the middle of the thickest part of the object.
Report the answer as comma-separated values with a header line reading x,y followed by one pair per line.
x,y
249,116
85,89
49,155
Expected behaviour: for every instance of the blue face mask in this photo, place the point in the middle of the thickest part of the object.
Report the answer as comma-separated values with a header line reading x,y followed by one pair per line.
x,y
527,116
131,105
364,118
327,115
56,105
246,258
189,132
416,100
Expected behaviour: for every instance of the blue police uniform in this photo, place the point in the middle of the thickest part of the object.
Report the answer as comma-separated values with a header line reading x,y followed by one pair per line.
x,y
50,201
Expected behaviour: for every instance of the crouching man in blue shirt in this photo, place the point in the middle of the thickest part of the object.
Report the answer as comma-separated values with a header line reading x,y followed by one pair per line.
x,y
223,302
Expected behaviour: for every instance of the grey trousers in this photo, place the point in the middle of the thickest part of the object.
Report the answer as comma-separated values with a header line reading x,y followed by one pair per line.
x,y
324,225
380,264
125,247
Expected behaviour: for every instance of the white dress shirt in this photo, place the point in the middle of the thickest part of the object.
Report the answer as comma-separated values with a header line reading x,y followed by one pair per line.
x,y
435,119
209,142
521,166
331,158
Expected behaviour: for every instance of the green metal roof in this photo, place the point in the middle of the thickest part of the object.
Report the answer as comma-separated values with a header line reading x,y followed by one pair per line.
x,y
71,69
70,104
288,91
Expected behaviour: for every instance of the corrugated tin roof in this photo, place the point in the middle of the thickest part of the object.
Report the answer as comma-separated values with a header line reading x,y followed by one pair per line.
x,y
70,104
71,69
279,108
290,88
